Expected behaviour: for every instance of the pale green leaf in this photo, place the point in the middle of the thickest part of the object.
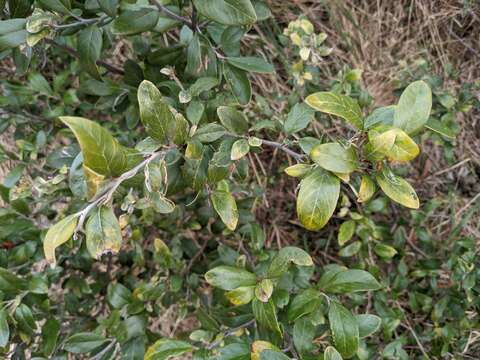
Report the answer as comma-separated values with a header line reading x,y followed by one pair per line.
x,y
164,349
230,278
240,148
57,235
232,119
335,157
251,64
103,234
397,189
367,324
414,107
227,12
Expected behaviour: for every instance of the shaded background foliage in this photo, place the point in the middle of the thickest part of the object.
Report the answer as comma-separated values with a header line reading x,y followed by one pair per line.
x,y
429,304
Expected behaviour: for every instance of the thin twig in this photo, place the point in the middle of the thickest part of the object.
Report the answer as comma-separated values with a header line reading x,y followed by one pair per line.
x,y
229,332
297,156
74,53
172,15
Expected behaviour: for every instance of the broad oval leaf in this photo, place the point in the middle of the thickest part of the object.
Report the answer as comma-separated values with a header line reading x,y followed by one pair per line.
x,y
414,107
317,199
304,303
251,64
336,104
230,278
84,342
367,324
264,290
265,315
367,189
164,349
133,22
382,115
298,118
240,148
334,157
241,295
298,170
232,119
102,153
346,231
393,143
155,114
331,354
227,12
344,328
348,281
239,83
285,257
57,235
103,234
397,189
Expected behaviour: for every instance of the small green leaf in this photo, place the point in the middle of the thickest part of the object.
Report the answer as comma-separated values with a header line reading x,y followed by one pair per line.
x,y
164,349
239,83
317,199
240,148
224,204
367,324
12,33
304,303
4,329
60,6
89,46
436,126
414,107
346,231
285,257
232,119
241,295
50,335
251,64
298,170
227,12
397,189
57,235
367,189
230,278
209,133
331,354
334,157
382,115
264,290
133,22
303,335
351,249
109,7
385,251
344,328
298,118
336,104
347,281
272,355
103,234
84,342
155,114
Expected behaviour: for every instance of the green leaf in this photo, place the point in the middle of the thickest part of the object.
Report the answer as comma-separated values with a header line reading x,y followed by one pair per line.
x,y
241,295
4,329
164,349
439,128
232,119
12,33
50,336
298,170
351,249
331,354
273,355
224,204
84,342
11,283
298,118
348,281
344,328
304,303
89,46
230,278
240,148
382,115
303,335
109,7
155,114
102,153
317,199
367,324
266,315
385,251
397,189
209,133
227,12
60,6
118,295
346,231
239,83
133,22
103,234
202,84
234,351
367,189
334,157
414,107
57,235
285,257
194,56
336,104
251,64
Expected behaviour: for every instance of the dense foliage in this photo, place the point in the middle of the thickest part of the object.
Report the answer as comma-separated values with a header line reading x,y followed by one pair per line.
x,y
136,185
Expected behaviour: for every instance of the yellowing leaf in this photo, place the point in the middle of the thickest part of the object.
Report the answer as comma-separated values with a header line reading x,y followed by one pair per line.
x,y
367,189
57,235
398,189
336,104
298,170
264,290
224,204
103,234
240,148
94,181
334,157
241,295
317,199
395,144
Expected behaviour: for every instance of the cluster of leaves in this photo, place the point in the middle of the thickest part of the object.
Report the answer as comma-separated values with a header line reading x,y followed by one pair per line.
x,y
173,163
